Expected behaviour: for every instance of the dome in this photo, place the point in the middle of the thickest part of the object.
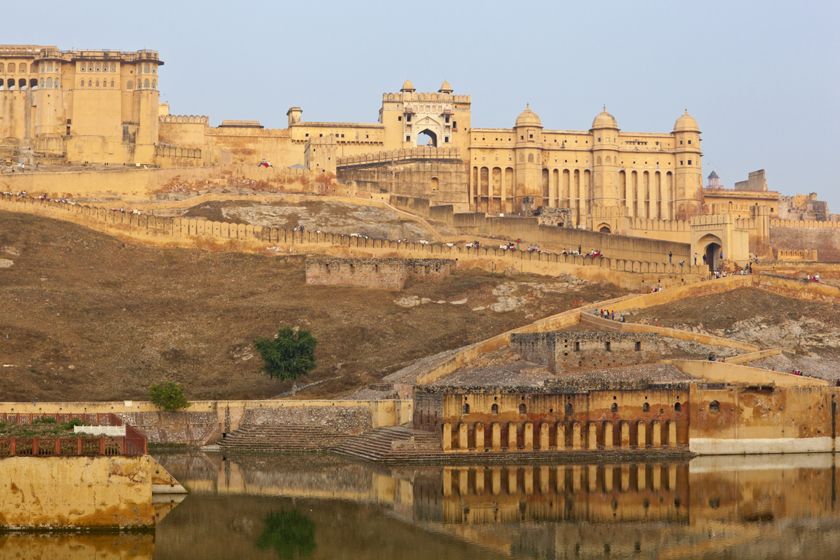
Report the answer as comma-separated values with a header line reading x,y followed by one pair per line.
x,y
686,123
407,86
528,118
445,87
604,120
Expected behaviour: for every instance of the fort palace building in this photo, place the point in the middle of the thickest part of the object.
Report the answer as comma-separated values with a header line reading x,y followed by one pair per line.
x,y
102,107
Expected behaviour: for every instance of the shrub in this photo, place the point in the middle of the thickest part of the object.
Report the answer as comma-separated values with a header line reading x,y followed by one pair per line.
x,y
290,354
168,395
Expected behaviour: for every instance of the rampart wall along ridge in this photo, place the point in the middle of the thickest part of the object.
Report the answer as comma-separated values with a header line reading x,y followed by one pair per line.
x,y
185,228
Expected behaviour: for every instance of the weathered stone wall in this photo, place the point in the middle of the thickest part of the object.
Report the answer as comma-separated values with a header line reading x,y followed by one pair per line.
x,y
80,492
385,274
336,419
825,240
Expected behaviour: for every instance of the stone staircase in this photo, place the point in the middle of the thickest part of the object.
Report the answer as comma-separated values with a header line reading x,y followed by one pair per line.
x,y
281,438
399,444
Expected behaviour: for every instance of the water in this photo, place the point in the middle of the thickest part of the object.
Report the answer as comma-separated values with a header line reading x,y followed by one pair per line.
x,y
321,507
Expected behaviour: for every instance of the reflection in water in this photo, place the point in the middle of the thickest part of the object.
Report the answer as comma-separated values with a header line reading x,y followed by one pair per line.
x,y
289,533
323,507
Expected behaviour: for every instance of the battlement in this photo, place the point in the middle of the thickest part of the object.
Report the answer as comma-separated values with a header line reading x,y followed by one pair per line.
x,y
431,97
184,119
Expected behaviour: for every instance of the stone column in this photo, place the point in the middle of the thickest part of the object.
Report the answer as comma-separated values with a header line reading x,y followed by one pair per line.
x,y
641,434
577,436
624,442
463,436
655,434
625,478
592,477
447,481
479,437
592,436
561,436
447,436
577,475
608,435
513,436
672,477
513,482
641,477
657,478
544,438
609,473
672,433
495,436
528,436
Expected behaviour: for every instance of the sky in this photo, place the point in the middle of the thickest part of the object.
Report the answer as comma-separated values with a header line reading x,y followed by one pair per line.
x,y
761,77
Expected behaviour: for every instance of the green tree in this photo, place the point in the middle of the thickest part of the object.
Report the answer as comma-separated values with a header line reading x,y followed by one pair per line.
x,y
290,533
168,395
290,354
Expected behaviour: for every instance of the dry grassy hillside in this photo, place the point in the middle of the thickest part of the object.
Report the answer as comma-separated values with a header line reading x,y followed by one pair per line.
x,y
808,332
87,316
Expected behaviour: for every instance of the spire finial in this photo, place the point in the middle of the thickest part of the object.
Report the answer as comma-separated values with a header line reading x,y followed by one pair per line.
x,y
605,107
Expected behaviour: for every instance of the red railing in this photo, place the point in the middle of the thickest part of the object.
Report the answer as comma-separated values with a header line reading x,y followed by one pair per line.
x,y
132,444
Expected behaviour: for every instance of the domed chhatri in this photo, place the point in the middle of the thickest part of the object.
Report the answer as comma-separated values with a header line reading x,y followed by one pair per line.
x,y
604,120
408,87
686,123
528,118
445,87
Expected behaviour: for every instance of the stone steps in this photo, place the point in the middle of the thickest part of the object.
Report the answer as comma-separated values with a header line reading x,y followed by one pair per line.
x,y
391,445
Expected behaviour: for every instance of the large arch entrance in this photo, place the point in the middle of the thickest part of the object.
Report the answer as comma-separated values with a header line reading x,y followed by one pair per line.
x,y
712,251
427,138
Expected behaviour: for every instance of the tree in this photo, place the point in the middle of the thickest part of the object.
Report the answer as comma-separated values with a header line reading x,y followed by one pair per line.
x,y
168,395
290,354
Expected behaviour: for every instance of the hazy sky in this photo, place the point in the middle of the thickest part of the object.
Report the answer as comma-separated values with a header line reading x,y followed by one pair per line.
x,y
762,78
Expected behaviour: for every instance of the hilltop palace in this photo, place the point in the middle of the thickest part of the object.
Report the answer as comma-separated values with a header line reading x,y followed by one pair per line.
x,y
102,108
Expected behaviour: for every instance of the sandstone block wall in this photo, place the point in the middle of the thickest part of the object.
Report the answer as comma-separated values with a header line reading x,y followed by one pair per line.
x,y
384,274
825,240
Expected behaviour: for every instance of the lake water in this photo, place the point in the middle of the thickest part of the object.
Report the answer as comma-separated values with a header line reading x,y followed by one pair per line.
x,y
322,507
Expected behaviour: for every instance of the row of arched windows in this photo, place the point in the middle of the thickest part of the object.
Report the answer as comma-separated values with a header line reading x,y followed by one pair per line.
x,y
20,83
12,67
147,68
48,66
95,83
97,66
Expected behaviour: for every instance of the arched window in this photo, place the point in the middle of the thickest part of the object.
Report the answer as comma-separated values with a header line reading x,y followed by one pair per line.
x,y
90,83
22,68
98,67
522,408
677,407
646,407
2,67
146,83
614,408
154,84
10,83
466,408
569,409
495,408
97,83
22,83
530,158
112,83
49,83
129,84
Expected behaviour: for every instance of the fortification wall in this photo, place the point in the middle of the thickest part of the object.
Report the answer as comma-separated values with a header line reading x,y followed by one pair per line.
x,y
551,237
205,421
188,231
76,492
759,418
384,274
824,237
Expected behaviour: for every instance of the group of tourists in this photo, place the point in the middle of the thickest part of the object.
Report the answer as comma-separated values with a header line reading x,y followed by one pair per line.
x,y
611,315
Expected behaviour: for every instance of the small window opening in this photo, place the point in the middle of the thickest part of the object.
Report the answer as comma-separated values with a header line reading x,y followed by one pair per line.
x,y
522,408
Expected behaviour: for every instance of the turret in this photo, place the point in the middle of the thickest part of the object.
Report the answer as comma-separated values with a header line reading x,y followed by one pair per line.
x,y
605,160
528,148
294,114
688,178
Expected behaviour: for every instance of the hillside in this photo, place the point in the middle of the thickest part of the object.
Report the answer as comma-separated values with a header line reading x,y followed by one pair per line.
x,y
86,316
